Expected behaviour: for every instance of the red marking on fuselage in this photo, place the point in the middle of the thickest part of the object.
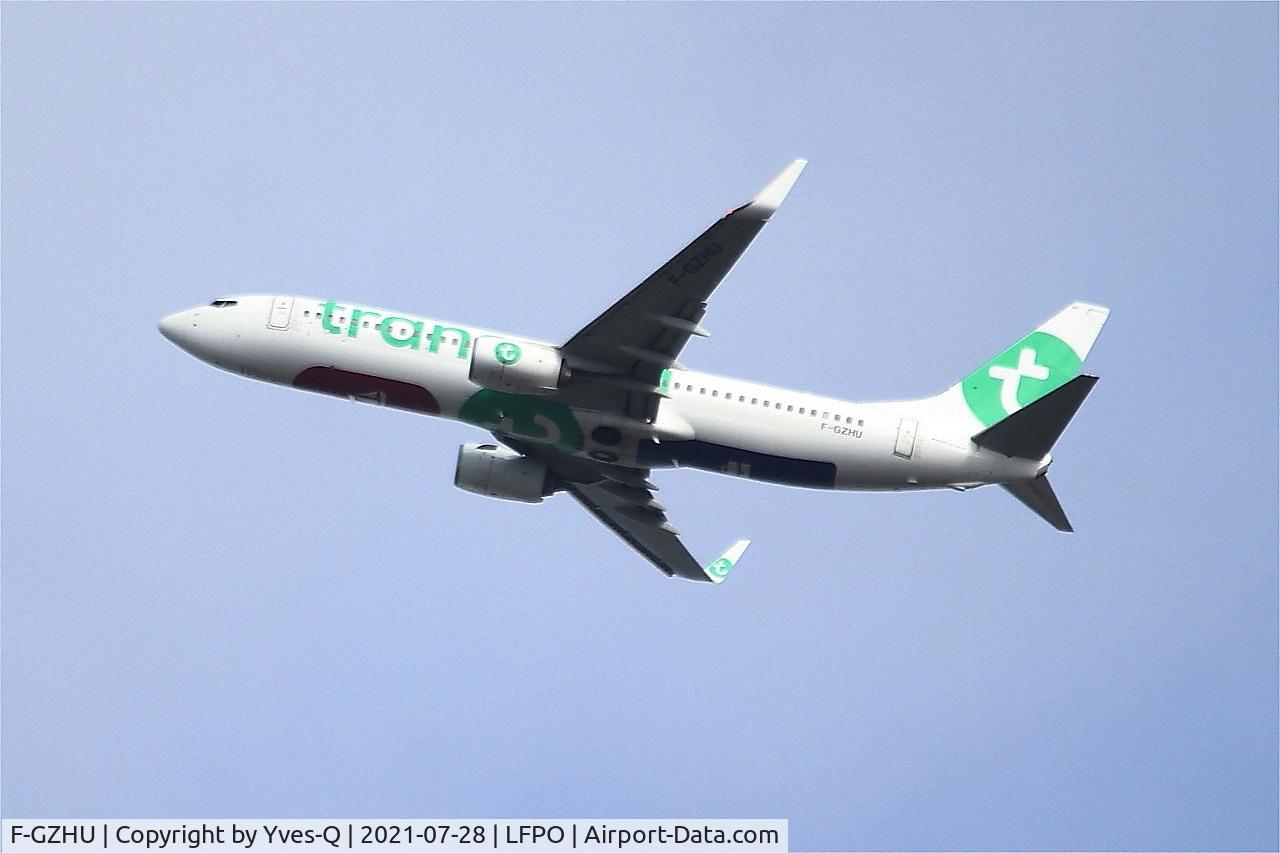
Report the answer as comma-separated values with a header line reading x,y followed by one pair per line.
x,y
388,392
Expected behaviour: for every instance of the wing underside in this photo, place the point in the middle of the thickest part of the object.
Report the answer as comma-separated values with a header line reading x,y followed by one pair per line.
x,y
620,355
642,526
622,499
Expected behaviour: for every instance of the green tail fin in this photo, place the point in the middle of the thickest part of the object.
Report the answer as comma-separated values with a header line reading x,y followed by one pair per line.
x,y
1043,361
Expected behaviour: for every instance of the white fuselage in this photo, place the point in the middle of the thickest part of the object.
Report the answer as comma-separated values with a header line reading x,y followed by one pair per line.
x,y
715,423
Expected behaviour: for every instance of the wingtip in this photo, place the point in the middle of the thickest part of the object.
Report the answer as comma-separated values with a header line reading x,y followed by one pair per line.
x,y
719,568
769,199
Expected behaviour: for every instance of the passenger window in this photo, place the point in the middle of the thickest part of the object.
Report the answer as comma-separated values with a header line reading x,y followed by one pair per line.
x,y
715,393
813,413
766,403
755,401
677,386
837,419
778,406
702,390
790,409
802,410
859,421
742,399
826,415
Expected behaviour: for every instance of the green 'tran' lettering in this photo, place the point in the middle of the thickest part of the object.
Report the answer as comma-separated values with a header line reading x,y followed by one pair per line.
x,y
327,319
356,314
438,337
414,341
388,328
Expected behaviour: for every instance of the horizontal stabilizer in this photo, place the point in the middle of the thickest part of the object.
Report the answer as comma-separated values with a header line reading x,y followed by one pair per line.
x,y
1038,497
1031,432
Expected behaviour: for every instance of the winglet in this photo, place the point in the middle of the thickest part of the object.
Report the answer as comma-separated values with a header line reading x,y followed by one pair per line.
x,y
720,567
769,199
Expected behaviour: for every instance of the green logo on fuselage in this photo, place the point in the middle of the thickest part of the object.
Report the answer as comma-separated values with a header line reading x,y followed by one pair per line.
x,y
538,418
1019,376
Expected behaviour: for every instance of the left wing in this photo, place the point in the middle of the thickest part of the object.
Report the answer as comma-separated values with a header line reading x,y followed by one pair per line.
x,y
627,347
642,523
622,499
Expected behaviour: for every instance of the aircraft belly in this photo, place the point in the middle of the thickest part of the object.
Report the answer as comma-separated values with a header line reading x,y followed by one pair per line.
x,y
768,449
862,451
739,462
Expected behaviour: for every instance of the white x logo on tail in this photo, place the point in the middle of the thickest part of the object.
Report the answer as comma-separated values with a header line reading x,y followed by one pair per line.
x,y
1011,377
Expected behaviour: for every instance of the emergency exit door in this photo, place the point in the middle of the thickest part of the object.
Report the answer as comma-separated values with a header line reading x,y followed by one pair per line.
x,y
906,443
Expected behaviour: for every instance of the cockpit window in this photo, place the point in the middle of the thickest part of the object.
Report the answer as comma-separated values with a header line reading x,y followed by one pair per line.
x,y
222,303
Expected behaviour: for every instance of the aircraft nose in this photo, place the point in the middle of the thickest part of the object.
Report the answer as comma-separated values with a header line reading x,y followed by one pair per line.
x,y
170,327
179,328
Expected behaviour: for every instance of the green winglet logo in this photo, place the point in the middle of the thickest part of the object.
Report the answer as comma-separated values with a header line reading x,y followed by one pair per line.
x,y
507,353
720,569
1019,376
722,565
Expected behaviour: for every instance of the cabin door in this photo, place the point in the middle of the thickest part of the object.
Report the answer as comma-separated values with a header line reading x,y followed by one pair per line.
x,y
281,310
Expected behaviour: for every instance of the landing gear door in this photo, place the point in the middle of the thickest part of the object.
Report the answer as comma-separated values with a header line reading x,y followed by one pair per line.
x,y
906,443
281,310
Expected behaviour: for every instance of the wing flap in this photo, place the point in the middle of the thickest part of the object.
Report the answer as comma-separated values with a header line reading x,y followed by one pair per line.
x,y
653,537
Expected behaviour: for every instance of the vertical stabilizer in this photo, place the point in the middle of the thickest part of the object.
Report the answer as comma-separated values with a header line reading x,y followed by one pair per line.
x,y
1044,360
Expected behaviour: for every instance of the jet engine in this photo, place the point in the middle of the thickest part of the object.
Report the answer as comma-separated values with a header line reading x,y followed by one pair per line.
x,y
499,472
516,367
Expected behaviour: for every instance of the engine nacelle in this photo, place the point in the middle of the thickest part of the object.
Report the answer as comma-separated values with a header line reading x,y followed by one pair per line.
x,y
499,472
516,367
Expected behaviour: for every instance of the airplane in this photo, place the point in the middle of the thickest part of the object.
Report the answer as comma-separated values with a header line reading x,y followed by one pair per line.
x,y
594,416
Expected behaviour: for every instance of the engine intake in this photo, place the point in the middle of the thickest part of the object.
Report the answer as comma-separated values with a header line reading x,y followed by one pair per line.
x,y
499,472
516,367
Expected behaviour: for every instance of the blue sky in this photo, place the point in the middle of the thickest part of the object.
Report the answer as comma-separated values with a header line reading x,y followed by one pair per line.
x,y
223,598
